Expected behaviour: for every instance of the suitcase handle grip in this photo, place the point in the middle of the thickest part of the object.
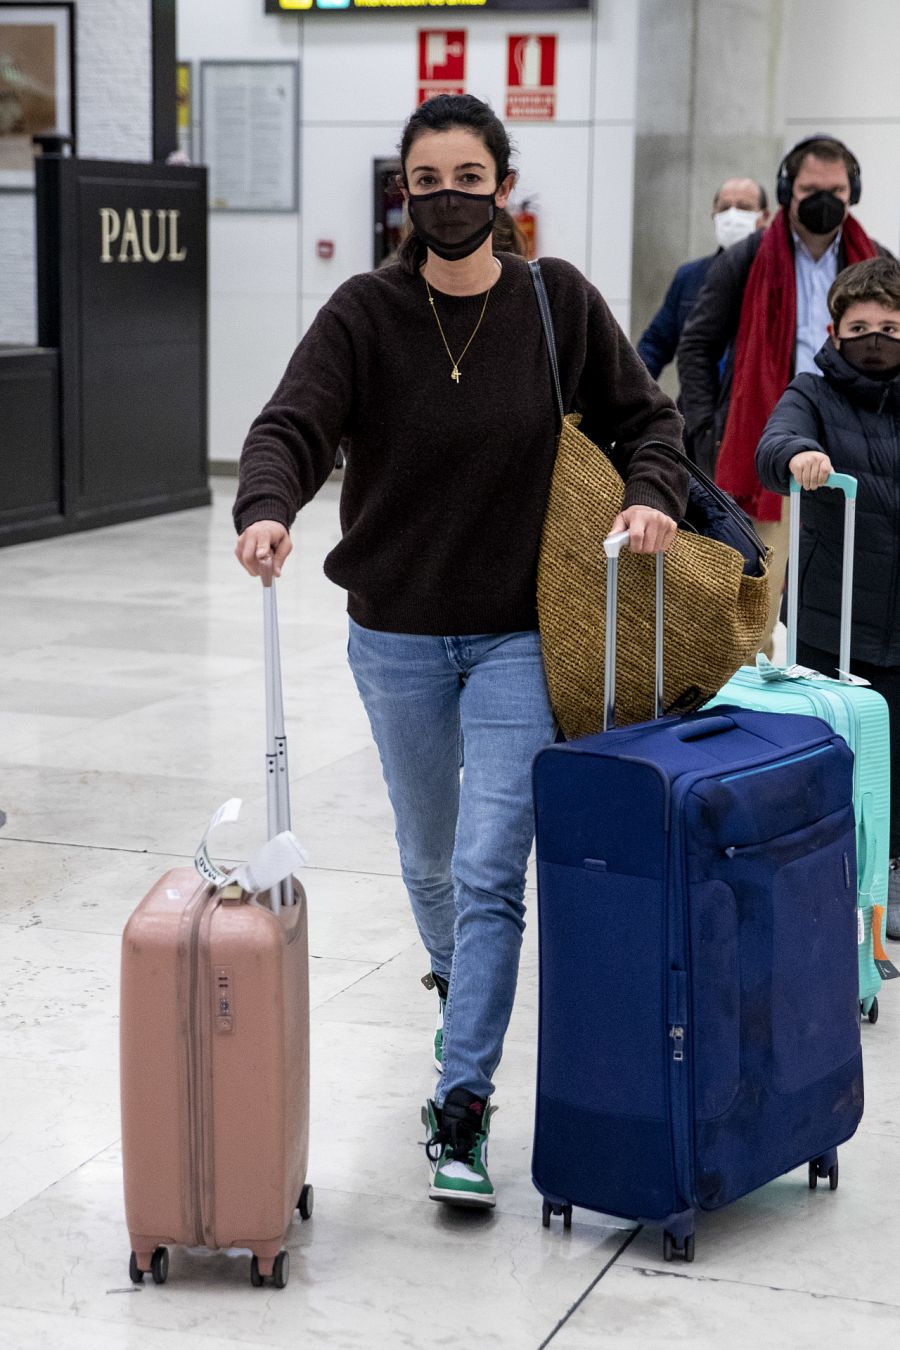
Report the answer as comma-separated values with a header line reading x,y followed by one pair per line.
x,y
614,543
847,484
844,482
710,726
612,547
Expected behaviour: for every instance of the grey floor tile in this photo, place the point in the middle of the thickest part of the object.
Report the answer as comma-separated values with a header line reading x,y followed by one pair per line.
x,y
365,1271
134,708
634,1309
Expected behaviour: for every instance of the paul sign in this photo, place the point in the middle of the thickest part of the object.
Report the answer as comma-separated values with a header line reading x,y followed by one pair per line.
x,y
152,239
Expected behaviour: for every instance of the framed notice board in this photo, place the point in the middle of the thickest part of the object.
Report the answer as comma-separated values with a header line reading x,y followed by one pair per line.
x,y
249,121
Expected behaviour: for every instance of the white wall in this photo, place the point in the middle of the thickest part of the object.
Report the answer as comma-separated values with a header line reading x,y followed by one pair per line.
x,y
113,112
842,77
357,87
710,106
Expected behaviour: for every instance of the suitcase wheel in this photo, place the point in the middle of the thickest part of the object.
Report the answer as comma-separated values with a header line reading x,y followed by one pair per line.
x,y
550,1208
135,1273
818,1169
281,1269
159,1265
305,1203
671,1247
873,1012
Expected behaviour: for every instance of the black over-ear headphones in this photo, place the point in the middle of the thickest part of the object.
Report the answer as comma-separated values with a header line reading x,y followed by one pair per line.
x,y
784,187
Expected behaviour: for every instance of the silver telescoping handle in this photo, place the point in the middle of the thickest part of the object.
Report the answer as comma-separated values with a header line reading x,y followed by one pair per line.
x,y
847,484
278,798
612,547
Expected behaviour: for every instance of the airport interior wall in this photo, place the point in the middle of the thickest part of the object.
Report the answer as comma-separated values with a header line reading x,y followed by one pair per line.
x,y
357,87
657,101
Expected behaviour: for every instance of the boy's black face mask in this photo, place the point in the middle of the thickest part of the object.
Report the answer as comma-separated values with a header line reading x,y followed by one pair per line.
x,y
875,354
453,224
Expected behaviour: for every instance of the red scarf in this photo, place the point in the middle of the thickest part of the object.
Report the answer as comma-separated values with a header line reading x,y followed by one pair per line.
x,y
763,358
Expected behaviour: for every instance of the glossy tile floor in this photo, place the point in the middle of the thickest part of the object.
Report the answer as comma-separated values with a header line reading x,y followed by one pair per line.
x,y
132,705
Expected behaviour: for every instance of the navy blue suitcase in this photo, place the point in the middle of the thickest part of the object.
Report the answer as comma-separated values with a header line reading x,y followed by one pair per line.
x,y
699,1014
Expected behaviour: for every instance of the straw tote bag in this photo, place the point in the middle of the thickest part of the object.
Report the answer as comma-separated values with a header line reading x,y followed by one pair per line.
x,y
716,585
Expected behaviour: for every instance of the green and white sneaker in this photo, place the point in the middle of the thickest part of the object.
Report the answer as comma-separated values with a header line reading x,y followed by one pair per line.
x,y
433,981
457,1146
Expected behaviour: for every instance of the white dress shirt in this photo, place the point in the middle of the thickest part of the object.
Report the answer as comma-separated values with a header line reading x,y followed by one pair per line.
x,y
813,278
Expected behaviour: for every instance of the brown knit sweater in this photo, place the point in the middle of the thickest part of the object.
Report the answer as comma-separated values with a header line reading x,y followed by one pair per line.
x,y
446,484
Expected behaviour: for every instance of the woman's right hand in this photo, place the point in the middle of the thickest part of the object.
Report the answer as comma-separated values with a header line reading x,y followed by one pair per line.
x,y
811,469
264,544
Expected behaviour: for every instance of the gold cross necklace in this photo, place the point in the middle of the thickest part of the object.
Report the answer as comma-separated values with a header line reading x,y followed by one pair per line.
x,y
454,361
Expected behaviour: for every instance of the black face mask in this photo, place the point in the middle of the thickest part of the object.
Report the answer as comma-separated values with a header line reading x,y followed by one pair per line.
x,y
821,212
874,354
453,224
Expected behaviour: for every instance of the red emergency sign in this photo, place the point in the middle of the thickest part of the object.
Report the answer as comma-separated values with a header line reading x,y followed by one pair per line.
x,y
531,76
442,62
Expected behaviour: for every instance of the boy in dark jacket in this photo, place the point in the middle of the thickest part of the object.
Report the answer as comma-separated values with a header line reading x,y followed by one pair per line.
x,y
849,422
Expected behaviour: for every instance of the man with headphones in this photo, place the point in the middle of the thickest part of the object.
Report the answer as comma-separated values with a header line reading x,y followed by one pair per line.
x,y
765,300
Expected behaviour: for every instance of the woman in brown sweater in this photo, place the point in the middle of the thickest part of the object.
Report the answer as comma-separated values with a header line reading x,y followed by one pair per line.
x,y
434,370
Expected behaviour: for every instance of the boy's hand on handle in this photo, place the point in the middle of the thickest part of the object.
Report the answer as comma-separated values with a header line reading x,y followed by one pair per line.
x,y
649,531
811,468
263,545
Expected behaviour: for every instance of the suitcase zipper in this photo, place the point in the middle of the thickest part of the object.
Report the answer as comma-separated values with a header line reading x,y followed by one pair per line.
x,y
779,764
678,994
194,1057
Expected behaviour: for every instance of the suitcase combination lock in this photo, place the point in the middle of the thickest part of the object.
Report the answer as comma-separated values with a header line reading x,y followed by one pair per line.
x,y
223,999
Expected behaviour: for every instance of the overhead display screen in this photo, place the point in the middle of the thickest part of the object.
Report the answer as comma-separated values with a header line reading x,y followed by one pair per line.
x,y
425,6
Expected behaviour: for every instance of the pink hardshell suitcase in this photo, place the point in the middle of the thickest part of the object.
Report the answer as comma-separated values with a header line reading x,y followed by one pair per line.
x,y
215,1048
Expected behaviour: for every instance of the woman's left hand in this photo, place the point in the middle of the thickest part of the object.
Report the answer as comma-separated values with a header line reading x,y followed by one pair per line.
x,y
649,531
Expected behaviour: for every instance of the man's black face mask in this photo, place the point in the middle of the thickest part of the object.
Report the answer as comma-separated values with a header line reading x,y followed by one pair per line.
x,y
875,354
821,212
453,224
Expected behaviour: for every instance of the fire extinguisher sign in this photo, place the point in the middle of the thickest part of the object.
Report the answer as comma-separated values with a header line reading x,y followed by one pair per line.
x,y
442,62
531,77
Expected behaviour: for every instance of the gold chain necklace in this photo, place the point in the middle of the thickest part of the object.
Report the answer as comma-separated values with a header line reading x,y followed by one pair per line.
x,y
454,361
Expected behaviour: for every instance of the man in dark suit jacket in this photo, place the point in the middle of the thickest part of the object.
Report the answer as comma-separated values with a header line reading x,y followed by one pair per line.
x,y
764,303
739,207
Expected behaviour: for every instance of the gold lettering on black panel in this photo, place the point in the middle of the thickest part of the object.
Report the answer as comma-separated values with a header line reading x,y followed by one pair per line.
x,y
176,254
130,240
121,240
151,253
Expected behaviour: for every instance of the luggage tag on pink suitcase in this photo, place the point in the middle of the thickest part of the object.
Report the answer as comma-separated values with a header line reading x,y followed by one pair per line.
x,y
278,859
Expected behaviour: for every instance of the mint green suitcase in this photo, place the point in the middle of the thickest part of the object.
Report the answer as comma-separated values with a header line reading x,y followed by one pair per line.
x,y
857,713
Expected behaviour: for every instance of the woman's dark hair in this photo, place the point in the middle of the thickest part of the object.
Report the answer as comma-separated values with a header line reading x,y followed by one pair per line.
x,y
442,113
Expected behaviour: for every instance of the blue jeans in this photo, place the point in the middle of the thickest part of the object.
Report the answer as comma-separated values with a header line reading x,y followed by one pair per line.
x,y
464,842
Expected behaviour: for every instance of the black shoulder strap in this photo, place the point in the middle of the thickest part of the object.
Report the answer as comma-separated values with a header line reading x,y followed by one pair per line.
x,y
543,301
728,504
720,495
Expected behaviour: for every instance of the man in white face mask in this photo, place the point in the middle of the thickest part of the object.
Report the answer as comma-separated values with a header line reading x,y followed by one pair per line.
x,y
739,207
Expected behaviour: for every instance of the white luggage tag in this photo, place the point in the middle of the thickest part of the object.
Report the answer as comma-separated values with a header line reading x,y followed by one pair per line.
x,y
277,859
847,678
227,813
771,673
